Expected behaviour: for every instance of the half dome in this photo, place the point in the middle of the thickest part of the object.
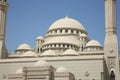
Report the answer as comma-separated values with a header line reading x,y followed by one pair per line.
x,y
49,53
93,43
24,47
61,70
66,23
19,71
29,54
39,38
41,63
70,52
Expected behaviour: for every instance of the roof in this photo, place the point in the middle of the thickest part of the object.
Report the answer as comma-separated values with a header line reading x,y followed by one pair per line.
x,y
70,52
66,23
24,46
93,43
39,37
49,53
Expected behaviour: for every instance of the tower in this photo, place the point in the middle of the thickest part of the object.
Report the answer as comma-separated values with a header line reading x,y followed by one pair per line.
x,y
111,43
3,11
39,44
83,41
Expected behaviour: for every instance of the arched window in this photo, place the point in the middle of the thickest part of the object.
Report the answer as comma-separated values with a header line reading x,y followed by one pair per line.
x,y
66,31
38,50
63,45
77,31
59,45
112,75
55,45
55,31
67,46
60,30
82,48
71,31
52,32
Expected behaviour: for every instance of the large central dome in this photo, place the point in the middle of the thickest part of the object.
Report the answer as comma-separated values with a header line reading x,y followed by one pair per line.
x,y
63,34
66,23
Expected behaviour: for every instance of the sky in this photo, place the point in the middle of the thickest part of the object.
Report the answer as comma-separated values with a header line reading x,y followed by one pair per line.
x,y
28,19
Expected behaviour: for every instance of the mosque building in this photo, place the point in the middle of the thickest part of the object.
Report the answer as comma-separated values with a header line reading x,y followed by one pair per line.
x,y
65,53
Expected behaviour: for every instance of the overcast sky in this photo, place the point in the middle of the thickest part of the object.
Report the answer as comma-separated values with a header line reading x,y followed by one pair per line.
x,y
27,19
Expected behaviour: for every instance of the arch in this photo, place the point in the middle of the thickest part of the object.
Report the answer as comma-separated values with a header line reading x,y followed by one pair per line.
x,y
112,75
111,67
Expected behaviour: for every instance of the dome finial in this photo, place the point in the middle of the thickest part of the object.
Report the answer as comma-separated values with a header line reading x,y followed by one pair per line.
x,y
66,17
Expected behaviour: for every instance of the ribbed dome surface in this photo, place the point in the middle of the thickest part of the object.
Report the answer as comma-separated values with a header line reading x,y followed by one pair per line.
x,y
61,40
41,63
93,43
29,53
49,53
66,23
61,70
24,46
70,52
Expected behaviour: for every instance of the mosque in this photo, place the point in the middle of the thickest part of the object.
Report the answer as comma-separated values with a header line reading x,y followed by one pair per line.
x,y
65,53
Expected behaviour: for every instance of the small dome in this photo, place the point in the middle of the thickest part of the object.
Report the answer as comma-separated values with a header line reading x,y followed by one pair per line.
x,y
93,43
67,23
49,53
19,71
29,54
24,46
39,38
61,40
41,63
70,52
83,35
61,70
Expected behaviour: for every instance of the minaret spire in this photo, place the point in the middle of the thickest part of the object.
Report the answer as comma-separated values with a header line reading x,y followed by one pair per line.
x,y
111,42
3,11
110,15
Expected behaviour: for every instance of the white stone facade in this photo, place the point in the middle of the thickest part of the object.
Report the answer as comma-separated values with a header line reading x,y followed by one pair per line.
x,y
77,65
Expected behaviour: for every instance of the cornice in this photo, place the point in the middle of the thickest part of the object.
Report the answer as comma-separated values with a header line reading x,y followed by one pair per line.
x,y
51,59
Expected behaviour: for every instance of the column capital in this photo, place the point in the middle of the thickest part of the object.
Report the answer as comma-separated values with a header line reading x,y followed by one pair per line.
x,y
4,6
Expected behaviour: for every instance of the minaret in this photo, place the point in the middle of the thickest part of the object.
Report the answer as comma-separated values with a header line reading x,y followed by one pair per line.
x,y
112,70
3,11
